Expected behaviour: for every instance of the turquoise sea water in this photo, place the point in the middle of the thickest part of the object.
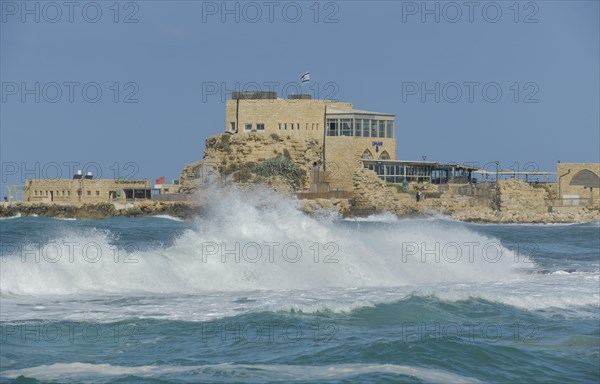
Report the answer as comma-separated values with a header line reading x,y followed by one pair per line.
x,y
297,299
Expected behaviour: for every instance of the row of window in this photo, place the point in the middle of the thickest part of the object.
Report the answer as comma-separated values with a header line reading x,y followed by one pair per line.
x,y
259,127
59,193
400,170
296,126
368,155
47,193
398,174
282,126
360,128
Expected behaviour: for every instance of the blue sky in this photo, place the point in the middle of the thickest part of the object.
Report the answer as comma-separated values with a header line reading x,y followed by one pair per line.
x,y
543,57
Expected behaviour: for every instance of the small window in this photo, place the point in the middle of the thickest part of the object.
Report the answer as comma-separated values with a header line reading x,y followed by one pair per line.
x,y
68,193
285,126
260,127
248,127
89,193
34,193
97,193
280,126
232,128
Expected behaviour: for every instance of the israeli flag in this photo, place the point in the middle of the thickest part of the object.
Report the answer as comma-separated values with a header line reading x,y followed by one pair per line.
x,y
305,78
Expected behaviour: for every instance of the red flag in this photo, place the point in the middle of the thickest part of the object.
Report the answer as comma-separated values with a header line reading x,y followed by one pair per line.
x,y
160,180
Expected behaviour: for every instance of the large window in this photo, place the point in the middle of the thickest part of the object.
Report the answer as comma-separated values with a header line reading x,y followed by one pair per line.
x,y
366,125
358,127
332,127
374,128
346,127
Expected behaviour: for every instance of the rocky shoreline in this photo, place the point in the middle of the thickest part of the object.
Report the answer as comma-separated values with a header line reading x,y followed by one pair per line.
x,y
189,210
93,211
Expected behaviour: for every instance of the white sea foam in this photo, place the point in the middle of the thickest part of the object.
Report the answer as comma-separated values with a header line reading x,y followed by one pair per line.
x,y
168,217
274,247
369,266
84,372
11,217
384,217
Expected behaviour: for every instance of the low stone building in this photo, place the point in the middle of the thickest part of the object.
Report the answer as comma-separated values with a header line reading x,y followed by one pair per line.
x,y
86,190
579,183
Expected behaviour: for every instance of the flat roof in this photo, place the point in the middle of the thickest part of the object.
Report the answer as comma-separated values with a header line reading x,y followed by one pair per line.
x,y
423,163
352,111
501,172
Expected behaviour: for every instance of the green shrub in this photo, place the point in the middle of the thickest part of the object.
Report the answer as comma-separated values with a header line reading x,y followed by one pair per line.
x,y
280,166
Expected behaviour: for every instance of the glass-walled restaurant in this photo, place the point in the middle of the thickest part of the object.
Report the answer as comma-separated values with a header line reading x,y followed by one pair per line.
x,y
397,171
361,126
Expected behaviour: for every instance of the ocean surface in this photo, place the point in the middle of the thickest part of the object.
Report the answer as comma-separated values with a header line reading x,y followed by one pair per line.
x,y
256,291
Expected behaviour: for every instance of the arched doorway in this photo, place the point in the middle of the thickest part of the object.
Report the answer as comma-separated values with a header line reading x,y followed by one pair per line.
x,y
585,178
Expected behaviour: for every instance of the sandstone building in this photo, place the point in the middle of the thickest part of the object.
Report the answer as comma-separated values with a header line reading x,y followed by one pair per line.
x,y
86,189
348,137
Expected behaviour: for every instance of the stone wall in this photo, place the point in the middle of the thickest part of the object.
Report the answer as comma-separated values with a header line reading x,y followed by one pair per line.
x,y
516,196
370,192
516,202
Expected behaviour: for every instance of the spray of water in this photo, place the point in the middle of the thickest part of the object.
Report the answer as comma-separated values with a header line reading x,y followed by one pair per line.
x,y
257,240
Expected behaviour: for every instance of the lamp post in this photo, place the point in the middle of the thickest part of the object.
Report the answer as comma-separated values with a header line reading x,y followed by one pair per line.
x,y
497,170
